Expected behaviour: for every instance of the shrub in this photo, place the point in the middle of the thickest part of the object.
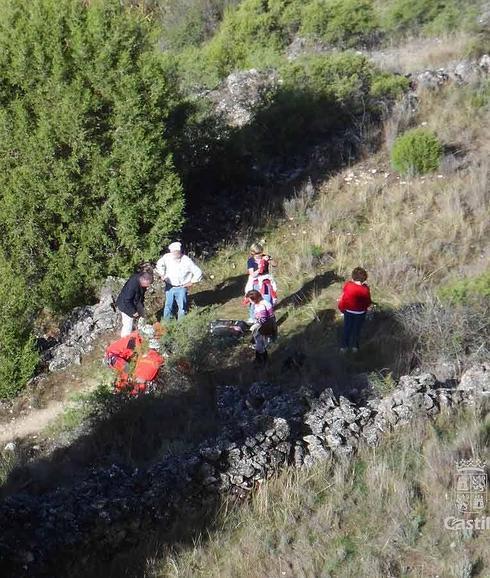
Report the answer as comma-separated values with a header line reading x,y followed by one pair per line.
x,y
456,332
189,338
431,16
254,27
87,183
17,344
417,151
189,22
467,289
389,86
344,22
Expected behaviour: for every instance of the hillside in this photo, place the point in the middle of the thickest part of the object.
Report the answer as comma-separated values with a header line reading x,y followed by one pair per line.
x,y
227,123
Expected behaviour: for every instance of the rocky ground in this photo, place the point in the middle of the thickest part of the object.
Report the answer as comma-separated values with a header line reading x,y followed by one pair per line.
x,y
264,428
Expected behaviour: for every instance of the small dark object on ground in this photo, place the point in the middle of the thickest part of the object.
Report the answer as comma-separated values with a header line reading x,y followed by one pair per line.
x,y
228,328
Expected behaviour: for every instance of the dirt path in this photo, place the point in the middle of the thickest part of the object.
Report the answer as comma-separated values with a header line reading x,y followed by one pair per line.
x,y
47,398
32,423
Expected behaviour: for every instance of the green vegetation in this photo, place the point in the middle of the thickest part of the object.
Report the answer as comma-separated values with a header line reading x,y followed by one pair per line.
x,y
344,23
429,16
416,152
466,290
87,184
98,143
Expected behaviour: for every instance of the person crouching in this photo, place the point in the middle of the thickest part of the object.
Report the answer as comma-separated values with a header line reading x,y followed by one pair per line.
x,y
264,327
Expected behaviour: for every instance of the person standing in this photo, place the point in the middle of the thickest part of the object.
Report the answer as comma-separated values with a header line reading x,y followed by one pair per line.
x,y
265,326
354,303
259,277
131,300
179,273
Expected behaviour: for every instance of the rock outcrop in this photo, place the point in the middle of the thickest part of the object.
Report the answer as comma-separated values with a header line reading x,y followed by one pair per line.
x,y
265,427
462,72
243,93
82,327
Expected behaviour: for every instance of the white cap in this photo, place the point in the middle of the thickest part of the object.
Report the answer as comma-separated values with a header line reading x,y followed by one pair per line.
x,y
175,246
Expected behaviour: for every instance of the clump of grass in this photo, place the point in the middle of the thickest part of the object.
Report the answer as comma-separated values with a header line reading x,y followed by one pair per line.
x,y
457,332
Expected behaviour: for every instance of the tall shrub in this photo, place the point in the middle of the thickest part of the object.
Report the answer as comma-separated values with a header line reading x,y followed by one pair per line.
x,y
87,183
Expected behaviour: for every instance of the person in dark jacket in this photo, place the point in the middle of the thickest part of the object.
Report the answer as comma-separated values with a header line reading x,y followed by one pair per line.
x,y
131,300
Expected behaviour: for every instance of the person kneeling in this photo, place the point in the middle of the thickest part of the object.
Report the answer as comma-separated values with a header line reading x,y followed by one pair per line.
x,y
264,328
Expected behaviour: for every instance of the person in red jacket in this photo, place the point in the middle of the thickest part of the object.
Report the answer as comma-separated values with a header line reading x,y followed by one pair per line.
x,y
354,303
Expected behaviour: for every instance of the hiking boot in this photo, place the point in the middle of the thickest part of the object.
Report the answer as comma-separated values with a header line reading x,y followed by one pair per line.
x,y
355,349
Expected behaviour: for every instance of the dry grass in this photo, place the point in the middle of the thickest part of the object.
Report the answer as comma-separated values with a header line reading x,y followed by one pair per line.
x,y
420,54
378,515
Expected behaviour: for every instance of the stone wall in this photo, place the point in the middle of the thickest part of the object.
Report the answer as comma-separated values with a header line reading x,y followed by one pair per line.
x,y
264,429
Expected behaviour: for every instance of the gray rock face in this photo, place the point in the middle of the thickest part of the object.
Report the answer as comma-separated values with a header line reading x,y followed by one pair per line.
x,y
82,327
243,93
462,72
476,379
264,429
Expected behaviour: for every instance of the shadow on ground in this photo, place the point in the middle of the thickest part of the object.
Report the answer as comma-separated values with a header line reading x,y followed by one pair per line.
x,y
304,295
137,433
221,293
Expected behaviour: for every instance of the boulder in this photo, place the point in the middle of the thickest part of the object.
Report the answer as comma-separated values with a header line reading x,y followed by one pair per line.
x,y
476,378
243,93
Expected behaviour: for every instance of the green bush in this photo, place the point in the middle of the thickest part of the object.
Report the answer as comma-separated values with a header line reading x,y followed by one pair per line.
x,y
87,183
467,289
430,16
418,151
254,27
389,86
342,22
17,344
189,338
187,23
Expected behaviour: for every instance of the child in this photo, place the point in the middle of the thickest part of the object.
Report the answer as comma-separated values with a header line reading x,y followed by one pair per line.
x,y
353,303
265,327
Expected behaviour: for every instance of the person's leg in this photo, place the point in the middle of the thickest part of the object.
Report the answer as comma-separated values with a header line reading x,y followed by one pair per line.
x,y
169,303
127,324
357,327
347,330
181,298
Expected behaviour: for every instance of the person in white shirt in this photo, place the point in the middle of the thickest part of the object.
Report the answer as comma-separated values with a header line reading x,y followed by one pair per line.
x,y
179,273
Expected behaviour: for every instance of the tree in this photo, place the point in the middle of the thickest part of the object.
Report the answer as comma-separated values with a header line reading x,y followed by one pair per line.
x,y
87,182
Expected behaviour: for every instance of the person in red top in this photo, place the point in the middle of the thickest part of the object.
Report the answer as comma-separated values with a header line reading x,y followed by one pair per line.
x,y
353,303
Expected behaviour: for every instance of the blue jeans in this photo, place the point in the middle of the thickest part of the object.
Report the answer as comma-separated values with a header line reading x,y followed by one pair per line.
x,y
352,329
172,294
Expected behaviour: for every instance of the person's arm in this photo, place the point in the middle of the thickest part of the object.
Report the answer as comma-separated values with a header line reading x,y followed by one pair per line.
x,y
127,297
161,268
340,301
195,271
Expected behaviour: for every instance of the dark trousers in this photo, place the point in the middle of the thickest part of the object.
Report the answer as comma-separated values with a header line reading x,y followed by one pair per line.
x,y
352,329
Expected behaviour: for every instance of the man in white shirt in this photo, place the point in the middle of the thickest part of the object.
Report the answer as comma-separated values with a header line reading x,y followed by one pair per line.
x,y
179,273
